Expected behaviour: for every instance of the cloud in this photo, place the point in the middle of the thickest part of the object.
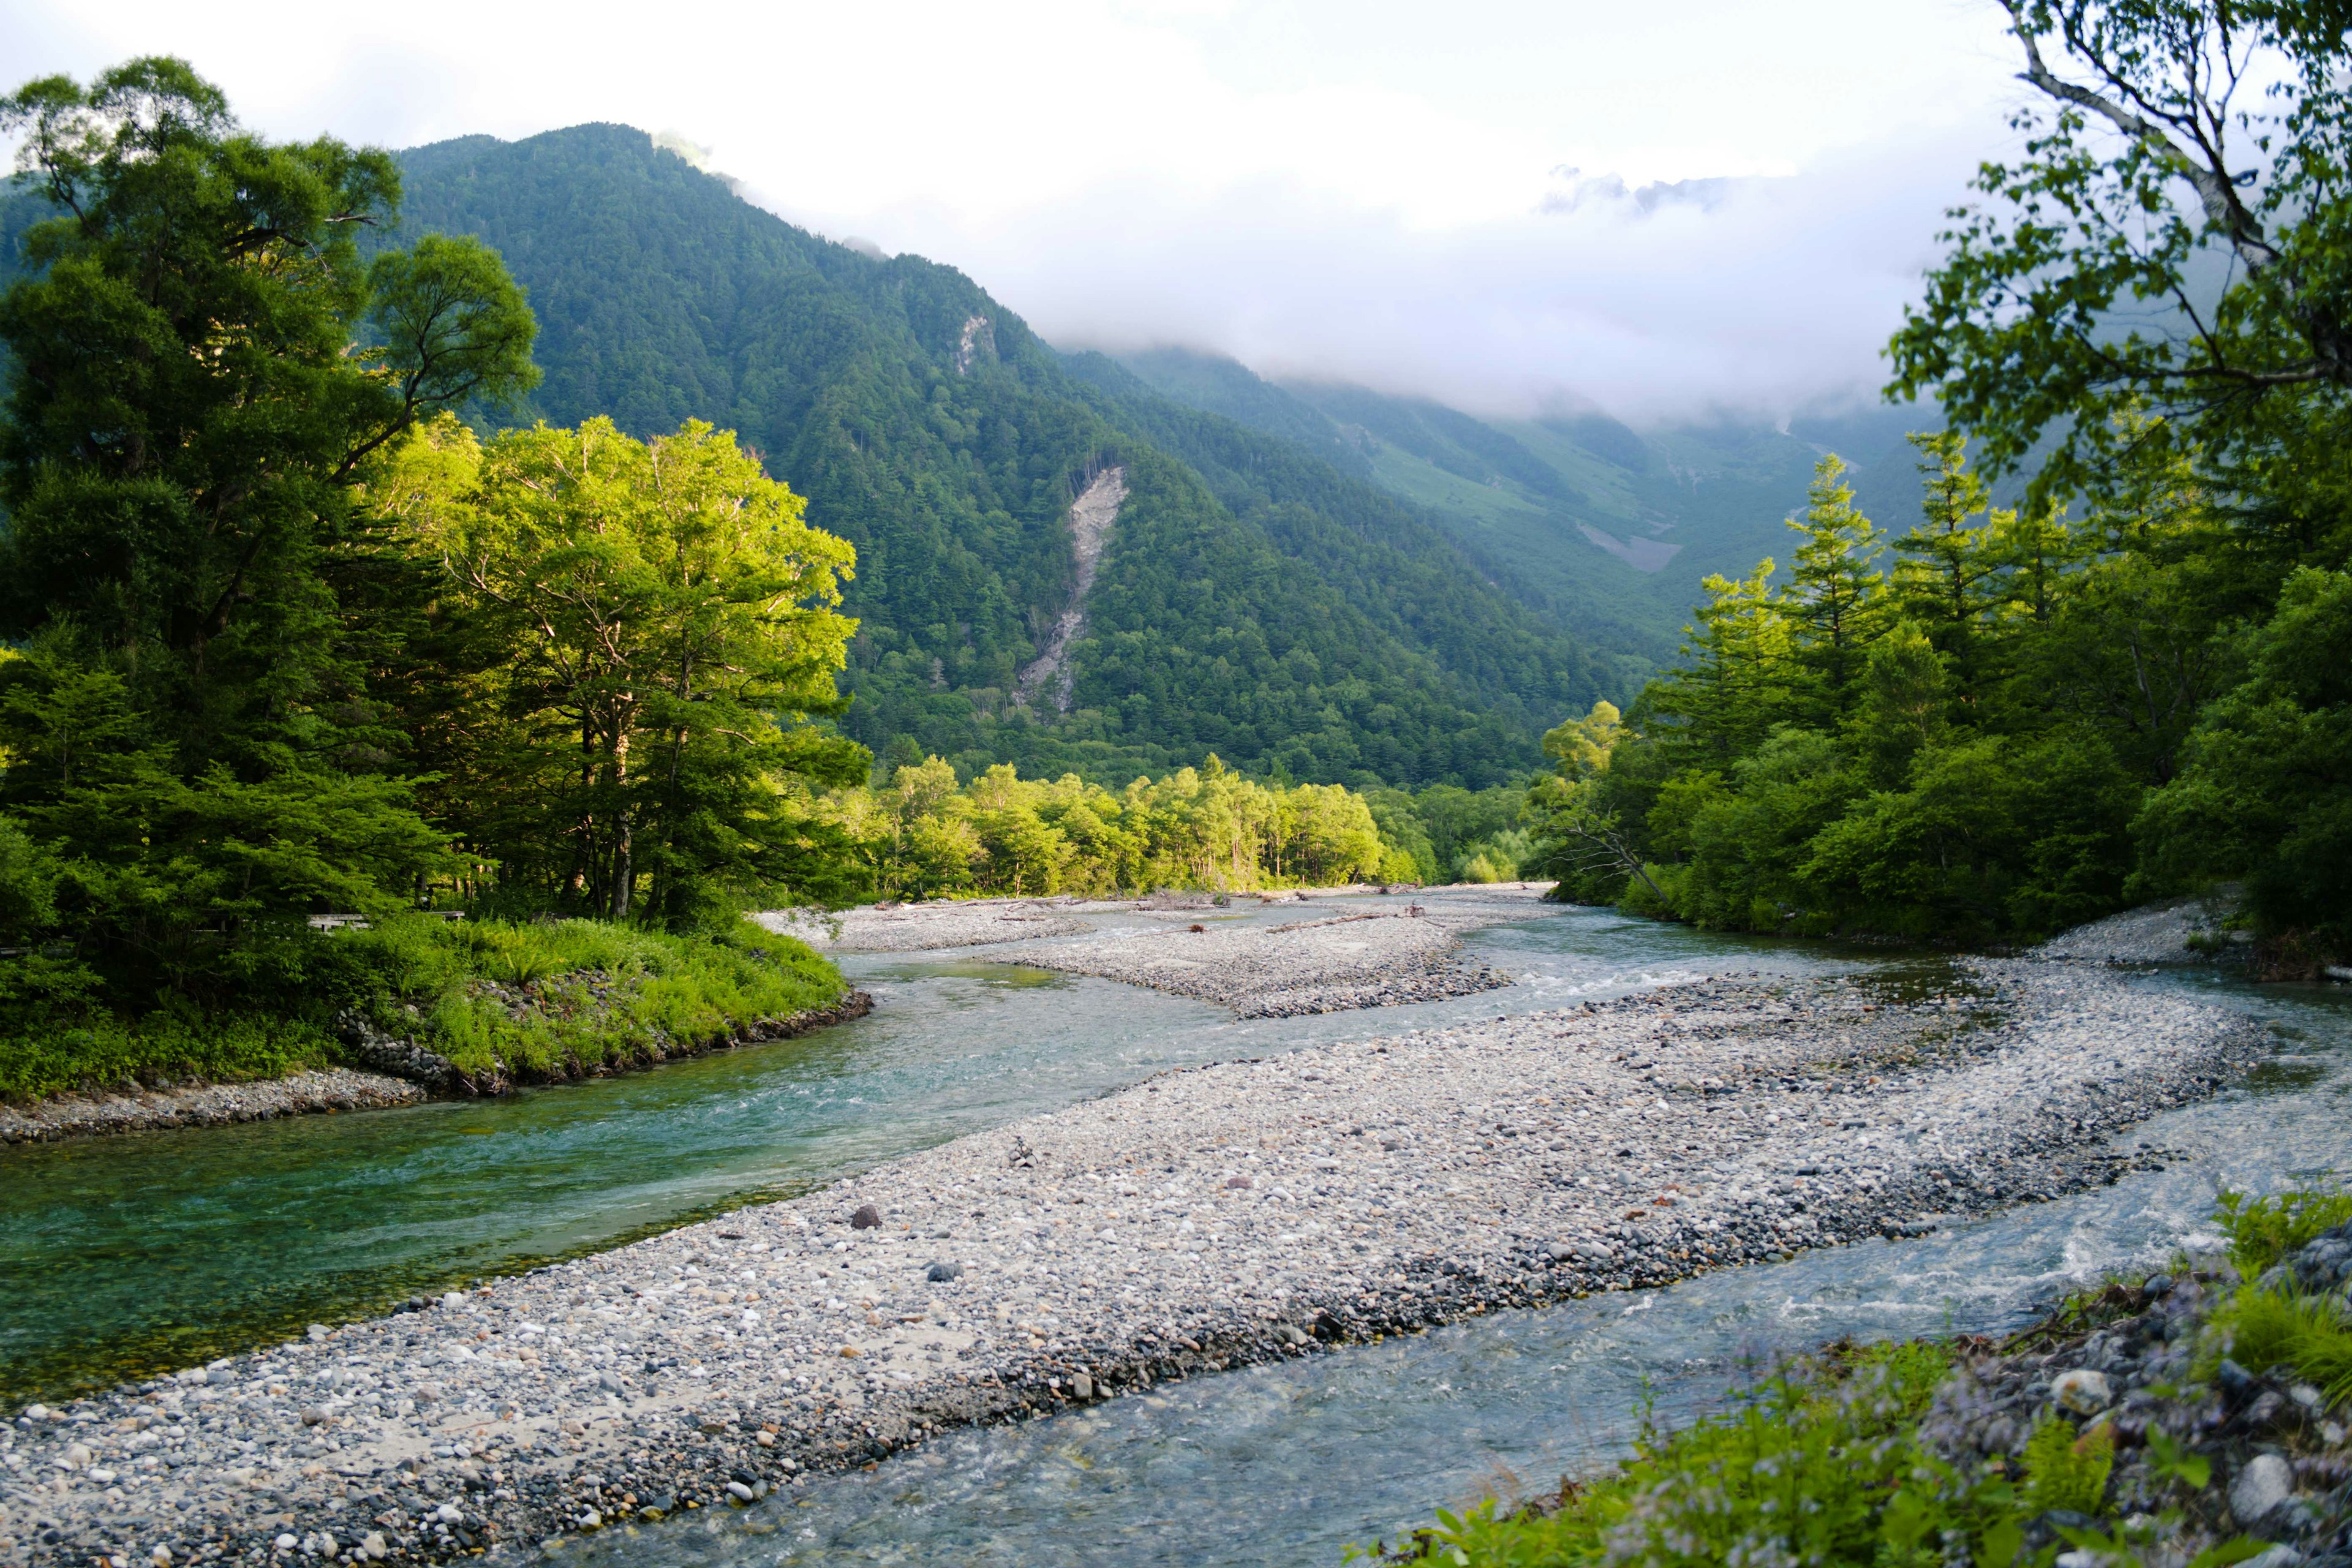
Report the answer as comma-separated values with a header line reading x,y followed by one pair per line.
x,y
1374,189
1755,295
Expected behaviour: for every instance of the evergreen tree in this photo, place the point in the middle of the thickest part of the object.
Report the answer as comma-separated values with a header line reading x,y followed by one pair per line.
x,y
1832,596
201,366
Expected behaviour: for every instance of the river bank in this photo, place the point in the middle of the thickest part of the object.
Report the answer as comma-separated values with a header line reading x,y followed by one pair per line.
x,y
325,1090
1203,1219
416,1075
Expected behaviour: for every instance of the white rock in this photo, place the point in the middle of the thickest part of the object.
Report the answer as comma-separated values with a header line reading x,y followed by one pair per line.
x,y
2262,1486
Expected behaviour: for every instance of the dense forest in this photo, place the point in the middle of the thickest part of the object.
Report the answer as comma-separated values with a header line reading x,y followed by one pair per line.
x,y
2002,720
1254,600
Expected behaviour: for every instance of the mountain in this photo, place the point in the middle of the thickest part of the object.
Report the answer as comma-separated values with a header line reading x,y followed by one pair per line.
x,y
1585,520
1254,593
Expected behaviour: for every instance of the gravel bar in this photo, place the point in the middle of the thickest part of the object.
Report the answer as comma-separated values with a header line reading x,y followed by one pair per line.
x,y
1205,1219
203,1105
921,928
1314,966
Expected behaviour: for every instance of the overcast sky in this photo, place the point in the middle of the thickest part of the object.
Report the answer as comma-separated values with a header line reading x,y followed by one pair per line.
x,y
1428,197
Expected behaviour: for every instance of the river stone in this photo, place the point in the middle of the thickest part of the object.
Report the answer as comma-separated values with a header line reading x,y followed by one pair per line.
x,y
942,1272
2262,1486
2082,1390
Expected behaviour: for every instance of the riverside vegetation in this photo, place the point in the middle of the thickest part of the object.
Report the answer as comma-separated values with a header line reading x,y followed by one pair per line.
x,y
300,631
285,639
2009,719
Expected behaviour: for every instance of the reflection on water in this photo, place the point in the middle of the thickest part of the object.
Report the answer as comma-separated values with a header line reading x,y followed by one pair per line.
x,y
1288,1464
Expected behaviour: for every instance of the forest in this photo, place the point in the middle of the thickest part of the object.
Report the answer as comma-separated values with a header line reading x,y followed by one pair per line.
x,y
2128,685
1254,600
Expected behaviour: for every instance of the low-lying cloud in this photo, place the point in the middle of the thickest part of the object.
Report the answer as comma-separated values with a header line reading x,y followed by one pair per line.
x,y
1753,296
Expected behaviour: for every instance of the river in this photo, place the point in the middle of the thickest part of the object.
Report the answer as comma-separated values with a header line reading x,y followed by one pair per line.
x,y
131,1255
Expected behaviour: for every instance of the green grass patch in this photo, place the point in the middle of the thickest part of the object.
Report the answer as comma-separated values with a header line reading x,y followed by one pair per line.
x,y
578,996
2261,1231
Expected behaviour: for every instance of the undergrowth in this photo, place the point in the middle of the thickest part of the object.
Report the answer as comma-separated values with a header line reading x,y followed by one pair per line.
x,y
2270,1321
588,995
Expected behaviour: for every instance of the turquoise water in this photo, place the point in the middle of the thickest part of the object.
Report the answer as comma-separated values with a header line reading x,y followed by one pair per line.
x,y
127,1255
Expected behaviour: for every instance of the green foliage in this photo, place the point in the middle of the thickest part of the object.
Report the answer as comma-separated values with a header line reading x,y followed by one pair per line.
x,y
2265,787
605,994
2066,1470
2171,237
2261,1231
924,835
2271,1323
200,363
1811,1464
1823,1460
651,627
1874,750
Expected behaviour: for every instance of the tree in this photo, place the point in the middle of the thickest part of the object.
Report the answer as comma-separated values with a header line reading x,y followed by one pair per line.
x,y
2169,263
1833,587
1950,578
200,368
201,363
669,625
2266,789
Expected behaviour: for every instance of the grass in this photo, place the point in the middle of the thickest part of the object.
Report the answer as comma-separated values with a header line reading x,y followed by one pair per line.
x,y
2274,1324
580,997
595,995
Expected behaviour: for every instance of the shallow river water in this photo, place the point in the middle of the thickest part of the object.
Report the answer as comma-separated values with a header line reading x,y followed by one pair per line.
x,y
132,1255
129,1255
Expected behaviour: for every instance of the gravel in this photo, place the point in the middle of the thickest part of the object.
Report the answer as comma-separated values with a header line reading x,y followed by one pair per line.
x,y
206,1105
2156,933
407,1074
1203,1219
920,928
1380,959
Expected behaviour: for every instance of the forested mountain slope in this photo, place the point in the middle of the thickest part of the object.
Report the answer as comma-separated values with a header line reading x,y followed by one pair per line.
x,y
1252,599
1602,527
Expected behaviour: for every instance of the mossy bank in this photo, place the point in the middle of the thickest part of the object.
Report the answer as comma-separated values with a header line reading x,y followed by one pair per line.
x,y
452,1006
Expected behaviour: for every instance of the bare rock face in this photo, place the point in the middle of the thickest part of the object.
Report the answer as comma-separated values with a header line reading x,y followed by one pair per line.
x,y
1091,516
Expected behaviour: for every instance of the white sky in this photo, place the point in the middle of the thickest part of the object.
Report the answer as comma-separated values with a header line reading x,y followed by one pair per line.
x,y
1364,190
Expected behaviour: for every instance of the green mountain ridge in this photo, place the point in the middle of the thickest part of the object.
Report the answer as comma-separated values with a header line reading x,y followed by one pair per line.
x,y
1584,518
1256,598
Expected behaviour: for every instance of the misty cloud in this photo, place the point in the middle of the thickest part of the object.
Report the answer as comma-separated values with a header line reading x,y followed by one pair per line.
x,y
1756,296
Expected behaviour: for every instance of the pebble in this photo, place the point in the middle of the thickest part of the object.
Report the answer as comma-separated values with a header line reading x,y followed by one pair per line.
x,y
202,1105
1396,1183
1330,965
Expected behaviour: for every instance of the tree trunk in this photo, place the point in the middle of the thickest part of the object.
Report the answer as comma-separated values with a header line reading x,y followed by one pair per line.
x,y
623,876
